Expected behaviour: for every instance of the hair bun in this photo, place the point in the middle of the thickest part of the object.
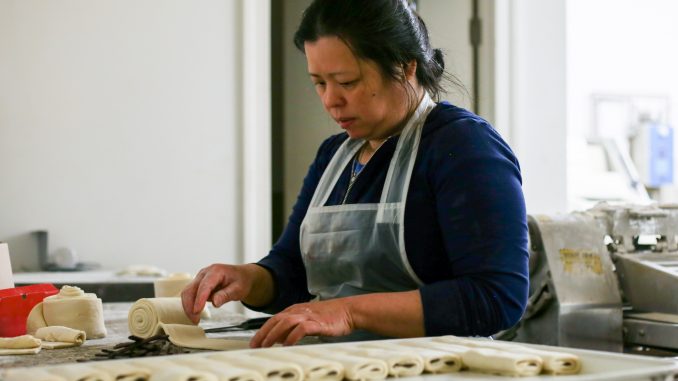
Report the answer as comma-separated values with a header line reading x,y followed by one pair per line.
x,y
439,62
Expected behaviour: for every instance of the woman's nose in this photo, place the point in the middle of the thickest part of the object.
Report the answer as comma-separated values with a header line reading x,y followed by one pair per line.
x,y
333,97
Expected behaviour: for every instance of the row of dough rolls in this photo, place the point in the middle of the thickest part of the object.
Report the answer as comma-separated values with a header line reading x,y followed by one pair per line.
x,y
554,362
368,361
485,360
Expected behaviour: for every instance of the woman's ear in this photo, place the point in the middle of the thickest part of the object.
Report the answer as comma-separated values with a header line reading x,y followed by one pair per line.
x,y
410,70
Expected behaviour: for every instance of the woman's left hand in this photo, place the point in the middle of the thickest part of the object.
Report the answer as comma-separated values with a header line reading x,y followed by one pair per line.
x,y
326,318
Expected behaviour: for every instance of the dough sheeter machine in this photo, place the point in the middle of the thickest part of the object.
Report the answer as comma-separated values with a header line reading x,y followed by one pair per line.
x,y
604,279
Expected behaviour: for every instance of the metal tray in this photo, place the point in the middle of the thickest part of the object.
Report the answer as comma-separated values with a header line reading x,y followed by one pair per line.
x,y
596,366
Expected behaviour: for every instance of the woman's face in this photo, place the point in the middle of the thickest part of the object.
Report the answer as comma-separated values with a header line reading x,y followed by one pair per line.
x,y
354,92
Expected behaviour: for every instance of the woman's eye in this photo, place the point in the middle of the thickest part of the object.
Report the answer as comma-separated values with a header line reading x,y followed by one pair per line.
x,y
348,83
319,84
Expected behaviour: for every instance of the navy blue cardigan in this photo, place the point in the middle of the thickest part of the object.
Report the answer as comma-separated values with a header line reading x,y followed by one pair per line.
x,y
465,225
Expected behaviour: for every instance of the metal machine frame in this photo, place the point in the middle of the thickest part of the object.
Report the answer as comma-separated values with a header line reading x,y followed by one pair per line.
x,y
603,279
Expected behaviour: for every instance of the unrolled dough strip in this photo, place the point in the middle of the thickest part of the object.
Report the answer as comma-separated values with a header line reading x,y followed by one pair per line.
x,y
315,369
435,361
488,360
192,336
72,308
271,370
555,362
124,370
81,372
224,373
60,337
25,374
400,364
165,370
146,315
355,368
19,345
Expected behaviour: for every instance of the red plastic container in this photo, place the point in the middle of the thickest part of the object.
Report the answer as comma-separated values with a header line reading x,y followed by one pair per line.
x,y
16,303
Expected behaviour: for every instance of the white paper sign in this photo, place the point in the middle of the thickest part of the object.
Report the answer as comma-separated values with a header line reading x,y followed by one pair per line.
x,y
6,280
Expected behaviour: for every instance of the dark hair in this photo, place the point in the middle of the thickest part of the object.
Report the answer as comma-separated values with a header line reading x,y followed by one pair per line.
x,y
387,32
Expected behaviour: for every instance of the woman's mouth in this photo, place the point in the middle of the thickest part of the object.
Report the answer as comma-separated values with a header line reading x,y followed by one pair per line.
x,y
345,122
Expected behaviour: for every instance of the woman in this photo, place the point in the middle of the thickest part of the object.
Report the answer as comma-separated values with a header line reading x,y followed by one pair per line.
x,y
409,223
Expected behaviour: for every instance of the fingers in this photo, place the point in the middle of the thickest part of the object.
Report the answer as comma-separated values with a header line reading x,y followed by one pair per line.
x,y
263,334
286,328
188,298
306,328
223,296
211,283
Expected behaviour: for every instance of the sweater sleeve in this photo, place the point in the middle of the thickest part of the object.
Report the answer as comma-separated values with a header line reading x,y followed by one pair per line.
x,y
284,260
480,209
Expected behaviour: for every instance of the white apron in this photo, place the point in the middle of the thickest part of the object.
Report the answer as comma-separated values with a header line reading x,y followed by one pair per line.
x,y
360,248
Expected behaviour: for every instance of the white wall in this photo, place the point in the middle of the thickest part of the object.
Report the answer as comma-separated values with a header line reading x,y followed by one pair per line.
x,y
305,124
621,47
120,128
531,98
448,26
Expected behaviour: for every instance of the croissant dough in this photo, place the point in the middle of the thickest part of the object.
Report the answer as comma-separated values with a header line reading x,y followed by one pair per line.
x,y
81,372
72,308
359,362
31,374
60,337
175,373
271,370
19,345
230,373
192,336
146,315
315,369
124,370
165,370
19,342
486,360
402,363
35,319
171,287
435,361
554,362
355,367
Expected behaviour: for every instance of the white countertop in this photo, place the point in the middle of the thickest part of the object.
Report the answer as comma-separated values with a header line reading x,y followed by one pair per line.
x,y
80,277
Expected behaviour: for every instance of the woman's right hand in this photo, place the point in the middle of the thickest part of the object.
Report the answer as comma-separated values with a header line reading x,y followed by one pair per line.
x,y
220,283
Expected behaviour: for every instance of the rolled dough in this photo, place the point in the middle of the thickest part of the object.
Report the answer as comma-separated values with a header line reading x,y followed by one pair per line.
x,y
60,337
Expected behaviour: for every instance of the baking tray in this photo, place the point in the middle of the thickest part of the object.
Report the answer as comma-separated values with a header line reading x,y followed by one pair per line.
x,y
596,366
